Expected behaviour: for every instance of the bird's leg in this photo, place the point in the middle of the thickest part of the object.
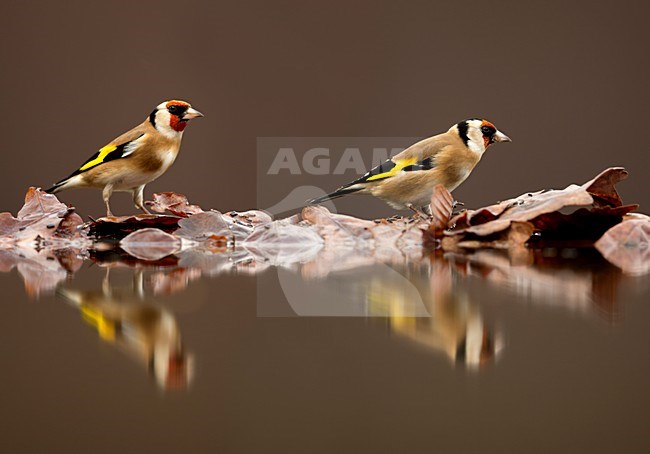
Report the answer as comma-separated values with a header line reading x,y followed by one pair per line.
x,y
106,284
106,194
420,213
138,199
138,283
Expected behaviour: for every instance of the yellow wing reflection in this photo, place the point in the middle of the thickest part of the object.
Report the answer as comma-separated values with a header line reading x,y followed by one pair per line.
x,y
145,331
455,328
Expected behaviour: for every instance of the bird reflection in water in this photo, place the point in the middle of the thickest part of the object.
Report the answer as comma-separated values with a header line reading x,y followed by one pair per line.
x,y
456,327
145,331
422,296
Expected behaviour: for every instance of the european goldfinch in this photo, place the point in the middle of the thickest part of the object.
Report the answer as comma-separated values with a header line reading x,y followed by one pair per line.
x,y
135,158
408,178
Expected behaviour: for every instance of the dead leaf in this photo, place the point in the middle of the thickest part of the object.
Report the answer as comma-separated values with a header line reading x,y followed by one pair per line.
x,y
150,244
583,224
442,205
39,217
70,226
337,228
281,243
626,245
251,217
513,238
203,226
598,192
603,187
117,227
176,204
39,204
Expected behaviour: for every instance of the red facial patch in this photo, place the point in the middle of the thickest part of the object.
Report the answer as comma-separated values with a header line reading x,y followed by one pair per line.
x,y
176,103
176,123
486,140
487,123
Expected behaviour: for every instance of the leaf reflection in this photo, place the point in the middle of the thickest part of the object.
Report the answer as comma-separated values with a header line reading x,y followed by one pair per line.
x,y
422,297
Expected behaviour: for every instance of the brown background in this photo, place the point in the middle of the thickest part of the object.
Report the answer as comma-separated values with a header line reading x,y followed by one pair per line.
x,y
568,81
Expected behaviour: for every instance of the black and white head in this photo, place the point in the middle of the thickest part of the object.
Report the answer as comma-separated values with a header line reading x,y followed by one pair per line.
x,y
171,117
479,134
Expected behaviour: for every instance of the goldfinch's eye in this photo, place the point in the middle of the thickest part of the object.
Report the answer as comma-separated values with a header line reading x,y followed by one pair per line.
x,y
173,109
488,130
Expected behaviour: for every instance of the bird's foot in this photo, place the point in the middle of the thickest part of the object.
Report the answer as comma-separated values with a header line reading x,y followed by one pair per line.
x,y
457,208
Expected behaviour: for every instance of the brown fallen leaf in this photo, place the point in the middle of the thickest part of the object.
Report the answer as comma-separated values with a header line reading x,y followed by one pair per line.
x,y
598,192
39,203
117,227
514,237
319,215
627,245
603,187
150,244
442,205
70,226
40,216
176,204
583,224
203,226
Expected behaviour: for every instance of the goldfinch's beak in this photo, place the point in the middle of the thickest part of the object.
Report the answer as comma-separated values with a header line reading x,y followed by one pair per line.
x,y
501,137
191,113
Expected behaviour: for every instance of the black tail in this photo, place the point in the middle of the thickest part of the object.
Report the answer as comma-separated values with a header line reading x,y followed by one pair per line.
x,y
334,195
57,187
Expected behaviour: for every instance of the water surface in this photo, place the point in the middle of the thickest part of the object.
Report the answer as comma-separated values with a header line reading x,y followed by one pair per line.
x,y
342,353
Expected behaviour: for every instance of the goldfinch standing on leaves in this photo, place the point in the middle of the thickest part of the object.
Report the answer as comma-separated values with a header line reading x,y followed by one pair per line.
x,y
135,158
408,178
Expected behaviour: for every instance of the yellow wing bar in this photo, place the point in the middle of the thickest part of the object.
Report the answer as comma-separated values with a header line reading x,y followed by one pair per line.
x,y
101,155
399,165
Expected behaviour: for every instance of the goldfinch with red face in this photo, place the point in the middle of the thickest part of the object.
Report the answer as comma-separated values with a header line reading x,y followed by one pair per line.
x,y
135,158
407,179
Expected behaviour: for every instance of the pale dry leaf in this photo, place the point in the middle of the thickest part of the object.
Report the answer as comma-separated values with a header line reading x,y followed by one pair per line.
x,y
176,204
282,243
627,245
203,226
150,244
39,217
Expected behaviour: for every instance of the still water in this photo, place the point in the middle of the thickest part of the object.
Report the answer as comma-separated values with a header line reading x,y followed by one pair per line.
x,y
549,352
